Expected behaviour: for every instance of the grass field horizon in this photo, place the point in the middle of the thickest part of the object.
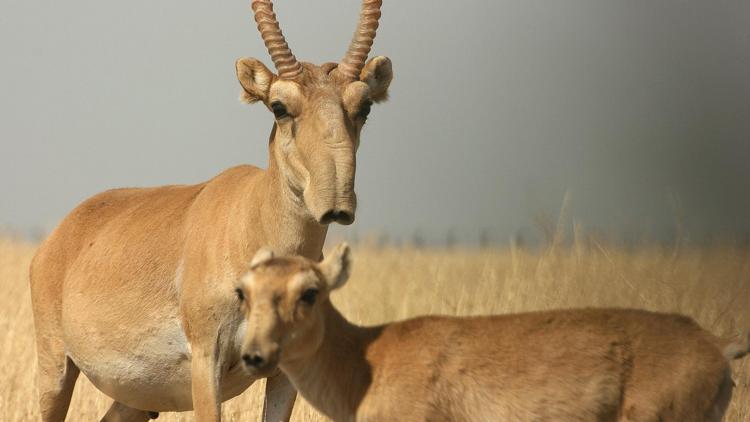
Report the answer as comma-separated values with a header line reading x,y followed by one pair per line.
x,y
709,283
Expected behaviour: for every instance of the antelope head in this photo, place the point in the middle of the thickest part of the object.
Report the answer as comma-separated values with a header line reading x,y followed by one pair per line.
x,y
319,111
284,300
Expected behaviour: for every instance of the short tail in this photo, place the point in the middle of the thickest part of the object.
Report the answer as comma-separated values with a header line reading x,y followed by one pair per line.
x,y
738,349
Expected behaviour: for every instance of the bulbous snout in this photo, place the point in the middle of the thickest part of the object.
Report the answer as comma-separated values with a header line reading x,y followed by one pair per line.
x,y
331,206
329,192
344,217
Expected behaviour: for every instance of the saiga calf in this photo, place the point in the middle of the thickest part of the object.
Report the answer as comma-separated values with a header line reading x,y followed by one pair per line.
x,y
565,365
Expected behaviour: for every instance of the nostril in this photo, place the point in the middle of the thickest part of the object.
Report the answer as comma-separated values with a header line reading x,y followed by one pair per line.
x,y
254,359
341,217
328,217
345,218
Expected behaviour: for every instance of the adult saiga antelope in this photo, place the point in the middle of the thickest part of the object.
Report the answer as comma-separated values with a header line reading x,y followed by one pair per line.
x,y
134,286
566,365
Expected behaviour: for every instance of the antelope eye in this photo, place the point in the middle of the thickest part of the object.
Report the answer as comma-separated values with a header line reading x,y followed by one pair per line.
x,y
240,294
279,110
309,296
364,110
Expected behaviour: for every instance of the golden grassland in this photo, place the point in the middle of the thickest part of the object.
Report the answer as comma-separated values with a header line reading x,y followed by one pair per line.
x,y
710,284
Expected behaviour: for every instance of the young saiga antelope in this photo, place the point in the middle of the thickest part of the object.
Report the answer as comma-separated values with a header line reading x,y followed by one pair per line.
x,y
565,365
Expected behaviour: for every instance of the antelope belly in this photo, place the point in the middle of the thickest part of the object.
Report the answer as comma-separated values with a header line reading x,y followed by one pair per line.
x,y
147,368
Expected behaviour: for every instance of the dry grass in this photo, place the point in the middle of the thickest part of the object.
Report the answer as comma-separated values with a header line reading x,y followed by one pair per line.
x,y
711,284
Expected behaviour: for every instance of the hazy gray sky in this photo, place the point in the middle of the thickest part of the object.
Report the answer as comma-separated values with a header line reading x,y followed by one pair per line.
x,y
497,108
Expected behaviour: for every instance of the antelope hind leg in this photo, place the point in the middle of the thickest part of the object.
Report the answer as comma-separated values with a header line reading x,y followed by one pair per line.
x,y
56,372
56,377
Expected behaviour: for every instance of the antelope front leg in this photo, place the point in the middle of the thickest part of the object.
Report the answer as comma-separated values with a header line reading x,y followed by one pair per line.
x,y
280,397
205,385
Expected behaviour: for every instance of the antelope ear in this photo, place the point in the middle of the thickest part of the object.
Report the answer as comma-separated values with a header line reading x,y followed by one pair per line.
x,y
377,74
255,79
337,266
264,254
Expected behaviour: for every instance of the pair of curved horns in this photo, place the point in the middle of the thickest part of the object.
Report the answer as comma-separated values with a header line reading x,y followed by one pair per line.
x,y
288,66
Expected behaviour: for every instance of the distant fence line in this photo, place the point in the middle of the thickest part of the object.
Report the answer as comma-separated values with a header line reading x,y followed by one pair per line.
x,y
489,238
494,239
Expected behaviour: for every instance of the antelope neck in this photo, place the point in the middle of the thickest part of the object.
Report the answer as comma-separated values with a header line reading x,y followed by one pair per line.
x,y
285,216
337,375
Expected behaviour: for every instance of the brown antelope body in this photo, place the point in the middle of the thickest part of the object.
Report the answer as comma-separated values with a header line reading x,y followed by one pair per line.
x,y
565,365
133,287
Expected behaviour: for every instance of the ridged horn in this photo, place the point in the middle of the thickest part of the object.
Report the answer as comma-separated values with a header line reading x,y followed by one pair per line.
x,y
285,62
359,48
